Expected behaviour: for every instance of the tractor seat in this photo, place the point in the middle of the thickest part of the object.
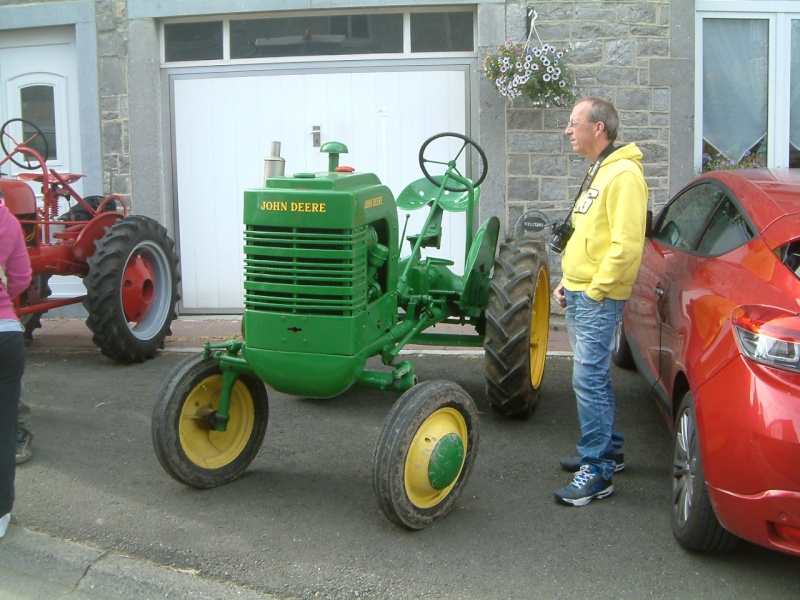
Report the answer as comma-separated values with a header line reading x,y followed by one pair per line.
x,y
422,192
67,177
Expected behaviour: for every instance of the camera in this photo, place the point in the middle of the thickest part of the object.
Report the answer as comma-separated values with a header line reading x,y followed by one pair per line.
x,y
560,236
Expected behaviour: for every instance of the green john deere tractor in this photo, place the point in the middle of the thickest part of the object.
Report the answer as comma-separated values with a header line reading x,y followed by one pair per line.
x,y
326,289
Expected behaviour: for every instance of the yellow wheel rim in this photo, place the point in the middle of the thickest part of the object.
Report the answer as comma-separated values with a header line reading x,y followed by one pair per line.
x,y
436,453
205,447
540,323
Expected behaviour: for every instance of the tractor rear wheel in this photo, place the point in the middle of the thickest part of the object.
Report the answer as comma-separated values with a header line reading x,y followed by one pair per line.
x,y
132,289
425,453
38,290
186,445
517,327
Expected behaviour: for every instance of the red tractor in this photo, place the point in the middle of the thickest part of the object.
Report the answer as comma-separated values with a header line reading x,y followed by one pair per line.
x,y
127,262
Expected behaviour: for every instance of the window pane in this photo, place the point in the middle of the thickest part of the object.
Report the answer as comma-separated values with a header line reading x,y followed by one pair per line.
x,y
317,36
39,107
794,91
193,41
684,217
726,230
735,87
442,32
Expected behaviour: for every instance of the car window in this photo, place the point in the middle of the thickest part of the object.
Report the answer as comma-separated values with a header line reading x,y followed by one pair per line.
x,y
726,230
685,217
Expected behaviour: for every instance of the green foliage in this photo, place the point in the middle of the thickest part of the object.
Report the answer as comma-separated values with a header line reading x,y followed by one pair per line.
x,y
539,74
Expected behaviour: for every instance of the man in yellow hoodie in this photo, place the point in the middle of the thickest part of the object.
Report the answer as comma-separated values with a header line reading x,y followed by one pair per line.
x,y
600,263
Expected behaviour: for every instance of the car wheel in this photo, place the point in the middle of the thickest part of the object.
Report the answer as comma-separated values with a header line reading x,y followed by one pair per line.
x,y
621,355
693,520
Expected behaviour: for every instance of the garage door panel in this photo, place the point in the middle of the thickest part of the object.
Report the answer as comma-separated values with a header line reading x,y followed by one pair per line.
x,y
224,128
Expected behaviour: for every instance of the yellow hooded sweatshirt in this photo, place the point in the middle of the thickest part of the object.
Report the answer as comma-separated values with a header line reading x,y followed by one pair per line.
x,y
603,255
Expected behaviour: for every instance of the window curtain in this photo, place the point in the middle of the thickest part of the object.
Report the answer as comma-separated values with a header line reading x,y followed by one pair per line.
x,y
735,84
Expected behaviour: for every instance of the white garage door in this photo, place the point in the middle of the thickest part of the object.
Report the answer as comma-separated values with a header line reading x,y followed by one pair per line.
x,y
224,128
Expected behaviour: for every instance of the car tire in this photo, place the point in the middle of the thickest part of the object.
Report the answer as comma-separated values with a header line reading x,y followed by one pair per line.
x,y
694,523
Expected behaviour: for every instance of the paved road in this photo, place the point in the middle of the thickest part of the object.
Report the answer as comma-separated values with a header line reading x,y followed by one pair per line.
x,y
302,522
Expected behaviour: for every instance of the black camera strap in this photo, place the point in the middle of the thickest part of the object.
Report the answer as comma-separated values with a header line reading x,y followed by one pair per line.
x,y
590,174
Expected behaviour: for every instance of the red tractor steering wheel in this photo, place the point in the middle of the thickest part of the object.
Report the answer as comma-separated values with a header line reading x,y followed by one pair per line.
x,y
37,135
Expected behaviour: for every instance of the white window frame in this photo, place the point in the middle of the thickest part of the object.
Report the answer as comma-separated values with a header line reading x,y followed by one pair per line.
x,y
779,14
406,54
58,83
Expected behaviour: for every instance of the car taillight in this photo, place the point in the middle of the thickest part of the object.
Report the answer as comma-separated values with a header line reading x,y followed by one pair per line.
x,y
768,335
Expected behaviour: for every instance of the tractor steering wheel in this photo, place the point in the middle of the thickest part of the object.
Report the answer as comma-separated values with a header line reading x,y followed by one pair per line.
x,y
38,135
451,165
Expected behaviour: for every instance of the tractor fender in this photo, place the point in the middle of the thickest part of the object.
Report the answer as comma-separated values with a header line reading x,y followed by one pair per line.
x,y
19,197
92,231
478,267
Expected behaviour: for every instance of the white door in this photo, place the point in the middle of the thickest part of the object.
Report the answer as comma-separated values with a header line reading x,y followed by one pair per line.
x,y
224,128
38,75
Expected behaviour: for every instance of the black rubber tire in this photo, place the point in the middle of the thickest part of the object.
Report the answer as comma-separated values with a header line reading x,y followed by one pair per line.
x,y
436,179
132,289
8,152
185,445
693,520
410,435
517,327
40,289
621,355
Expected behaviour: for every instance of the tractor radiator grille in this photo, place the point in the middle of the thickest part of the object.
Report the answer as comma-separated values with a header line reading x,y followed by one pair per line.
x,y
305,271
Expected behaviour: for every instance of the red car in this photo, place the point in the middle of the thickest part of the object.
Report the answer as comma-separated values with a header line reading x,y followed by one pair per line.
x,y
713,324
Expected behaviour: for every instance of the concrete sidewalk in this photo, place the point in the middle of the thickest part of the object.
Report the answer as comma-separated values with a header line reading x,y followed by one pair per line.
x,y
189,333
36,566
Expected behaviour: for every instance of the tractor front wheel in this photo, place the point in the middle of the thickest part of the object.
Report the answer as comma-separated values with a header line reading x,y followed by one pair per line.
x,y
425,453
189,448
517,327
132,289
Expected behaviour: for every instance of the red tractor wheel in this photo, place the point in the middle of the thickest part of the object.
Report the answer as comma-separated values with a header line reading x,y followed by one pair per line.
x,y
132,289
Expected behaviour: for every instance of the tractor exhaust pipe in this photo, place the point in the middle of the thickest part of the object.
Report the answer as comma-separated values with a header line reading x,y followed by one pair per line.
x,y
274,165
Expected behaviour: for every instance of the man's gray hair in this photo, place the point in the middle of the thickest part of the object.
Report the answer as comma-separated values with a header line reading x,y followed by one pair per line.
x,y
602,111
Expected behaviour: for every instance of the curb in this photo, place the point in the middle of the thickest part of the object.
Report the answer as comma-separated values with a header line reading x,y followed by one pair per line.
x,y
36,565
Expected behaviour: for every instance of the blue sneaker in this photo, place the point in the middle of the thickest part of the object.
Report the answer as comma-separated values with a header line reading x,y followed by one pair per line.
x,y
586,485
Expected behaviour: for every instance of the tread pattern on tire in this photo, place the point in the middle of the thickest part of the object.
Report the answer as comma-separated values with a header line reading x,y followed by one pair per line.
x,y
508,327
107,321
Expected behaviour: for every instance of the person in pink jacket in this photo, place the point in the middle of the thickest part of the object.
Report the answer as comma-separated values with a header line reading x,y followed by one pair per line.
x,y
15,277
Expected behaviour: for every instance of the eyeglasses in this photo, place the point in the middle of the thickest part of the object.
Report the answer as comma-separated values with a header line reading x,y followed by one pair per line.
x,y
572,123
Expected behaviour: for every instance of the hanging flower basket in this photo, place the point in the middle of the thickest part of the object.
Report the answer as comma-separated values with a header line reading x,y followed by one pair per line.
x,y
539,74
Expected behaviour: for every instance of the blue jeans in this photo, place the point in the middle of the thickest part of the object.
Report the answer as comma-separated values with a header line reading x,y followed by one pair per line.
x,y
590,326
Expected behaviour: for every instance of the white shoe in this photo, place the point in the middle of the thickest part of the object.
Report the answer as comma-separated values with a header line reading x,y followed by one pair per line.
x,y
4,524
